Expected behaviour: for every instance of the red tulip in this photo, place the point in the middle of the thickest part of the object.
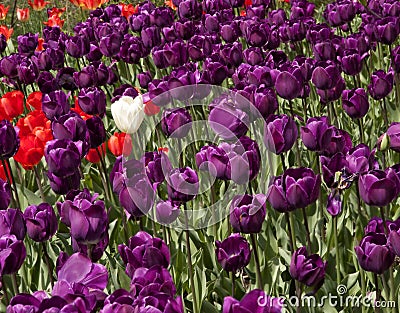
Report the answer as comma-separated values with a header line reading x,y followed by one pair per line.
x,y
3,12
11,105
7,32
120,143
93,155
34,101
23,14
40,45
30,152
38,5
151,109
37,124
128,10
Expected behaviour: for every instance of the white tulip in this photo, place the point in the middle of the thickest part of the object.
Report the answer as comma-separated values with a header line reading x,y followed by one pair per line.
x,y
128,113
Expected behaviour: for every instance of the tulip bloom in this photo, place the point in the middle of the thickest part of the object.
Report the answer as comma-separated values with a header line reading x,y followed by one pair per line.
x,y
374,253
41,222
30,152
120,144
23,14
254,301
12,254
93,154
280,133
34,101
128,113
307,269
7,32
88,4
247,213
11,105
38,5
233,253
3,12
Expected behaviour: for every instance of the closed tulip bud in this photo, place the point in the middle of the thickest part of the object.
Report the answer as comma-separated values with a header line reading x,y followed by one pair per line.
x,y
62,157
378,187
27,43
374,253
5,194
176,123
9,140
128,113
361,159
41,222
334,206
391,138
92,101
394,241
233,253
387,29
77,46
247,213
307,269
325,78
384,143
12,254
280,133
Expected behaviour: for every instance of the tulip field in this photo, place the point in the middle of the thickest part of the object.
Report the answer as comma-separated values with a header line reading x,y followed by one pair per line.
x,y
232,156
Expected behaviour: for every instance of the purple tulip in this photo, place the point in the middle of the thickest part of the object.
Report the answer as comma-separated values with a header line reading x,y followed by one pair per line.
x,y
96,251
340,142
176,123
394,241
167,212
65,78
355,102
41,222
23,302
381,84
144,251
12,222
47,82
247,213
228,121
307,269
317,133
254,301
375,225
280,133
92,101
9,140
361,159
5,194
394,135
387,29
55,104
124,90
77,46
64,183
28,71
374,253
137,195
97,132
214,160
62,156
27,44
182,184
77,271
156,164
12,254
331,165
8,65
325,78
334,205
233,253
287,85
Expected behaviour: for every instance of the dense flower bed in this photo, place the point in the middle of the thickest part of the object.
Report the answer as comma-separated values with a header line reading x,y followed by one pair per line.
x,y
214,156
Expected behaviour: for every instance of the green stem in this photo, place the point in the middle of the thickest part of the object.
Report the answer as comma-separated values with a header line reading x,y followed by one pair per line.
x,y
13,202
3,287
337,250
47,261
14,283
257,261
14,184
191,273
233,284
307,230
360,129
378,293
39,184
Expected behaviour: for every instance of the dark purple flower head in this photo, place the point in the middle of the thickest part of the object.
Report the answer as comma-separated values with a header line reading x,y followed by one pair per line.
x,y
340,142
307,269
394,135
317,133
254,301
28,71
27,44
325,77
62,184
280,133
156,164
41,222
355,102
361,159
334,205
379,188
247,213
227,120
287,85
395,59
92,101
124,90
97,132
77,46
176,123
331,165
324,51
72,127
374,253
144,251
5,194
233,253
137,195
97,250
387,29
12,254
381,84
190,9
9,140
9,64
375,225
62,157
55,104
182,184
47,82
12,222
214,160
